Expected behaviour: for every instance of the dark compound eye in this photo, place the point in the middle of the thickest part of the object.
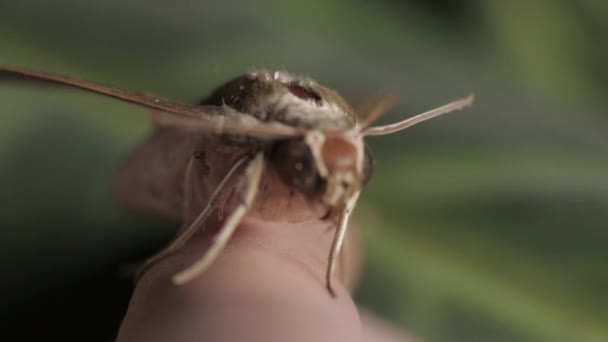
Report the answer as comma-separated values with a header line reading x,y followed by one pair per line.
x,y
296,165
302,92
368,164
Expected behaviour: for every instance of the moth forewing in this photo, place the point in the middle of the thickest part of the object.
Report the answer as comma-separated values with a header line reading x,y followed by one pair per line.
x,y
227,121
373,108
205,119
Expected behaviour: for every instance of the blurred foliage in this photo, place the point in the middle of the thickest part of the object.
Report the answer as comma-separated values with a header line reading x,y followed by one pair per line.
x,y
485,225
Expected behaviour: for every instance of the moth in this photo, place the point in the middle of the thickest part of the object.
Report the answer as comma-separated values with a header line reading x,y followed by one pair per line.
x,y
266,144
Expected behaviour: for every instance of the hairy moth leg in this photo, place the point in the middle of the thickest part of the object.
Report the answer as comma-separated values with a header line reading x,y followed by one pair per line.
x,y
246,192
190,193
338,241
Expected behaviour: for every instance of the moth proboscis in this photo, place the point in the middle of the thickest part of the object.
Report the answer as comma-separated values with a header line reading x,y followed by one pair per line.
x,y
265,144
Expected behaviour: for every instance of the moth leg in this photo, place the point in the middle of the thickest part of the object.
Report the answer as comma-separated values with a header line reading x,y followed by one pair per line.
x,y
338,241
246,192
222,189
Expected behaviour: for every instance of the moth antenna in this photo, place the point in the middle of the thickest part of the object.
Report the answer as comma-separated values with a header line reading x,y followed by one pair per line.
x,y
401,125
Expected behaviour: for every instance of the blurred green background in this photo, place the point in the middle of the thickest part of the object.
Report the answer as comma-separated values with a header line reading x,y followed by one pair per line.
x,y
485,225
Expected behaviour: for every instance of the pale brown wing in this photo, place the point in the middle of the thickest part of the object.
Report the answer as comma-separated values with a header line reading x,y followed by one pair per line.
x,y
211,119
372,107
151,177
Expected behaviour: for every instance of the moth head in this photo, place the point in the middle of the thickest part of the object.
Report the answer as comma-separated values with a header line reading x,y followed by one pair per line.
x,y
325,166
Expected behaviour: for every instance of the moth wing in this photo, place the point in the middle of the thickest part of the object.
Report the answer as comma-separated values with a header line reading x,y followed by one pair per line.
x,y
173,174
167,112
370,108
151,178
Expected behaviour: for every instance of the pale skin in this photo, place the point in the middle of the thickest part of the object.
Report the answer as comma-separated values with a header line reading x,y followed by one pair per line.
x,y
267,285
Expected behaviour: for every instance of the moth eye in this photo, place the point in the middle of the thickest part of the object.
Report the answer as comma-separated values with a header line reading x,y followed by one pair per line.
x,y
296,165
304,93
368,164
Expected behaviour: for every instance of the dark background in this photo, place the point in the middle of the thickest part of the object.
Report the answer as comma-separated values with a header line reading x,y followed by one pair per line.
x,y
485,225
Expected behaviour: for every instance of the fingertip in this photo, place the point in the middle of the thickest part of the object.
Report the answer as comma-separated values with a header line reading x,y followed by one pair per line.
x,y
269,283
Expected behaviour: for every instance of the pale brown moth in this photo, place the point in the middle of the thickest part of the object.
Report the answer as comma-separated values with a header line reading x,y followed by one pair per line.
x,y
265,144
